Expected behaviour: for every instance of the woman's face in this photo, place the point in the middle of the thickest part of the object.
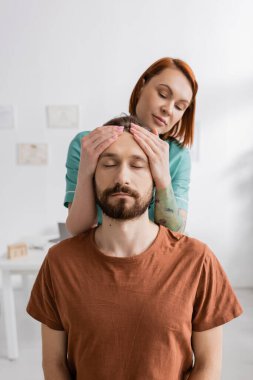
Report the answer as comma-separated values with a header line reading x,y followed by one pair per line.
x,y
164,99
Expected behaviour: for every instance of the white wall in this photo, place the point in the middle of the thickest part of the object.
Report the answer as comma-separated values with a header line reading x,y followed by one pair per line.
x,y
91,53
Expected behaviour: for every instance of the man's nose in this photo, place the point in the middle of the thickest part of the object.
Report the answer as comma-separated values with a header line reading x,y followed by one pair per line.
x,y
123,175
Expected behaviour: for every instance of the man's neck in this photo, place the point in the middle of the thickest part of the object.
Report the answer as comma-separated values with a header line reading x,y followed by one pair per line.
x,y
124,238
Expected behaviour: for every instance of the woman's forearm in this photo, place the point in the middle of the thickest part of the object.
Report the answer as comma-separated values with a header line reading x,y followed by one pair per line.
x,y
82,213
166,210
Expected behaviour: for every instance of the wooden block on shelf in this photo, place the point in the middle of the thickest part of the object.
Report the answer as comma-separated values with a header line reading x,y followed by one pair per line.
x,y
17,250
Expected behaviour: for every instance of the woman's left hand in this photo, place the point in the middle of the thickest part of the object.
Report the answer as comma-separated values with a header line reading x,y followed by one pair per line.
x,y
157,152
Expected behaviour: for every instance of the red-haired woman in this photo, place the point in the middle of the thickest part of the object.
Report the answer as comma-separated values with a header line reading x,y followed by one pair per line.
x,y
163,99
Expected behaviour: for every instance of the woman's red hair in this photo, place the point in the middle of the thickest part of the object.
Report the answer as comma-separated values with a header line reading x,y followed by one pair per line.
x,y
183,130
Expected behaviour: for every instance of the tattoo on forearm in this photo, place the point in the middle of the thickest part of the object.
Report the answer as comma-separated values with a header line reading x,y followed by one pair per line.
x,y
166,210
169,210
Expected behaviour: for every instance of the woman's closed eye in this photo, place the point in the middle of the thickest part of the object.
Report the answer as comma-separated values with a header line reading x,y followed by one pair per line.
x,y
164,96
180,108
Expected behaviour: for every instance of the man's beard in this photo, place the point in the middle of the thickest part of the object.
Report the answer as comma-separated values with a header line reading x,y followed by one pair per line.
x,y
120,209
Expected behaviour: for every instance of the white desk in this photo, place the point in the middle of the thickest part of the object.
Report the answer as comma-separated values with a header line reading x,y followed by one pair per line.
x,y
26,265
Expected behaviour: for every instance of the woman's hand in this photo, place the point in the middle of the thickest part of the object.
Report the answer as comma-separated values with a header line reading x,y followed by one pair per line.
x,y
157,152
93,145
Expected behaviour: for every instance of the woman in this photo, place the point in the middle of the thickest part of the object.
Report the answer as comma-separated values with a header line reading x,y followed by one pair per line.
x,y
164,100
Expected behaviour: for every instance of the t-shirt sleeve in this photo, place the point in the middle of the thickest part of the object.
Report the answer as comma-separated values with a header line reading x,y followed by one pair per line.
x,y
215,303
72,166
42,304
181,180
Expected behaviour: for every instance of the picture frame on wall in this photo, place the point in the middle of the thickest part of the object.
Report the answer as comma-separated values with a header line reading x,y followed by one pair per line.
x,y
63,116
32,154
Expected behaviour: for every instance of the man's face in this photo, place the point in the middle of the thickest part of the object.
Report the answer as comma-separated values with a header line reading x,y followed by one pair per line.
x,y
123,181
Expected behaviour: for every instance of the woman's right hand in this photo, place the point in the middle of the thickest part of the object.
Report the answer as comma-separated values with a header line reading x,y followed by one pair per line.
x,y
93,145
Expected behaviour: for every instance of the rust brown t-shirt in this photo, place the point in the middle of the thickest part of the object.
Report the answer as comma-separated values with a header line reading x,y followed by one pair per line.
x,y
132,318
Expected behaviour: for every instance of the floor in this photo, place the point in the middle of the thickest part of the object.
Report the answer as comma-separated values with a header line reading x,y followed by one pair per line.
x,y
237,352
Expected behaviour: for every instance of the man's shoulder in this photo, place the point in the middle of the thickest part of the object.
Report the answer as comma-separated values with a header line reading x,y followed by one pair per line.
x,y
187,245
70,248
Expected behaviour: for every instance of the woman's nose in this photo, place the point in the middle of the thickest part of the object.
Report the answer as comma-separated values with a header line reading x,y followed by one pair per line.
x,y
167,108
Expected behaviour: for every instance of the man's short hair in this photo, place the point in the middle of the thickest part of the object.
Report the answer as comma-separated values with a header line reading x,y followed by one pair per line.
x,y
125,121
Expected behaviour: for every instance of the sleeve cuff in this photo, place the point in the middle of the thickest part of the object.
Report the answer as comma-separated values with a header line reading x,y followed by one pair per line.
x,y
69,196
219,321
40,318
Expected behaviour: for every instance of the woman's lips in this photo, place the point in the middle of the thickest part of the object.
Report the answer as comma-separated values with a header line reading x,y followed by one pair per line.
x,y
160,121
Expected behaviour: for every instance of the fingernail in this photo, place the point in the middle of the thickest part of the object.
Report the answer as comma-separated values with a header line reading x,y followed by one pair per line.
x,y
120,128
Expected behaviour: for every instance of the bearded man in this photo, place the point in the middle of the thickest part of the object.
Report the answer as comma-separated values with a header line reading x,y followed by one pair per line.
x,y
130,299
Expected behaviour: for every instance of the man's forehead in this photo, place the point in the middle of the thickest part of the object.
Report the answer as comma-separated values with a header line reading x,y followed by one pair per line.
x,y
125,147
121,156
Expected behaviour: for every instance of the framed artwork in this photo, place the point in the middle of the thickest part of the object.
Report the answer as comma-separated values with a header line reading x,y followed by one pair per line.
x,y
63,116
32,154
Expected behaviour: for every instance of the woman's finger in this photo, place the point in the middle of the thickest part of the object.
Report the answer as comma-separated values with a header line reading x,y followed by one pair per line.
x,y
158,143
105,144
155,131
106,129
154,145
93,140
96,140
145,146
153,135
100,132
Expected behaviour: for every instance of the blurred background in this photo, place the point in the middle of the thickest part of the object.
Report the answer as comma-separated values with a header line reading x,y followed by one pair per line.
x,y
89,54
